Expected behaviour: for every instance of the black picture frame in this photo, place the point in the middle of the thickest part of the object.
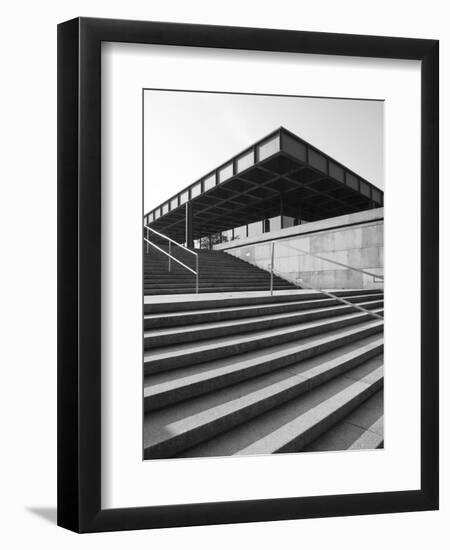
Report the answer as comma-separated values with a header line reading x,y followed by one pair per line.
x,y
79,274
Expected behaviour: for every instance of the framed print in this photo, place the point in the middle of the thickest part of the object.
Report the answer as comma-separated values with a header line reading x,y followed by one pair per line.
x,y
248,274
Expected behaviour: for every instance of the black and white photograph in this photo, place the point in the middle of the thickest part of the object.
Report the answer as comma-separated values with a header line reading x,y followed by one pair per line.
x,y
263,274
236,207
226,255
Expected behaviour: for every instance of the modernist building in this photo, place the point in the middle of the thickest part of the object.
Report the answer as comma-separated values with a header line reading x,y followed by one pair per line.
x,y
278,182
281,352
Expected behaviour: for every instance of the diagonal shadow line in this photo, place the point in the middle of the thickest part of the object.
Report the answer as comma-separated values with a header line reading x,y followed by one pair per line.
x,y
48,513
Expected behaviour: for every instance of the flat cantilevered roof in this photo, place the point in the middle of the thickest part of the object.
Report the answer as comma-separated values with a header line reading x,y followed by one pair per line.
x,y
279,174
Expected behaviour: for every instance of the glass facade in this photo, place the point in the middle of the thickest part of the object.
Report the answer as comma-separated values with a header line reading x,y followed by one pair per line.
x,y
227,236
255,229
275,223
289,222
240,232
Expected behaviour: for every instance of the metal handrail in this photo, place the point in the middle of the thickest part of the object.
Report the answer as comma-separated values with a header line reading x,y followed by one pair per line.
x,y
287,243
272,243
312,287
170,255
171,240
167,254
339,299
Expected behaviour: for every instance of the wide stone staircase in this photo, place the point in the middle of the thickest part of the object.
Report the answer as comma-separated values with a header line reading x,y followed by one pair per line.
x,y
252,374
218,272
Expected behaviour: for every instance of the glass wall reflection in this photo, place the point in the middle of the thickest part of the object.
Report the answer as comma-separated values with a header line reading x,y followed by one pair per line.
x,y
250,230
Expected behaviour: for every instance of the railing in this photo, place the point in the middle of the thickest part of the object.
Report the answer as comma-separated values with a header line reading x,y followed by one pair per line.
x,y
170,255
300,281
365,272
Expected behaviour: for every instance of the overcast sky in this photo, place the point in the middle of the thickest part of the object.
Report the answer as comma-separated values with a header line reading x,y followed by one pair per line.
x,y
187,134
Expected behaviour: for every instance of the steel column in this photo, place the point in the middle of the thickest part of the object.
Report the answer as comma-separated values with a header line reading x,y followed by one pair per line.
x,y
188,229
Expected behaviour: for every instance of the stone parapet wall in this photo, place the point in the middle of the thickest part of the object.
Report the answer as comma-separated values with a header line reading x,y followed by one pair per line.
x,y
355,240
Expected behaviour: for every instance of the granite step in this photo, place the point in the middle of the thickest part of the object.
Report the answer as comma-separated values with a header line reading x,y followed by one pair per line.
x,y
205,290
361,429
172,430
223,301
161,359
169,336
165,388
292,426
189,318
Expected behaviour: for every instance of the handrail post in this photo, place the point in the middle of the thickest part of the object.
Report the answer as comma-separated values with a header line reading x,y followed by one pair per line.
x,y
169,253
271,267
196,277
329,294
147,239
